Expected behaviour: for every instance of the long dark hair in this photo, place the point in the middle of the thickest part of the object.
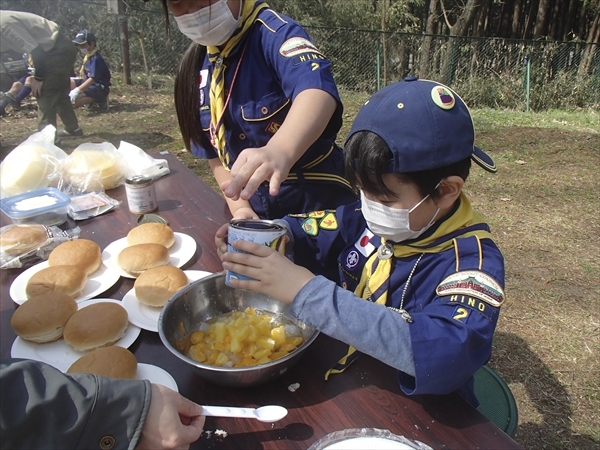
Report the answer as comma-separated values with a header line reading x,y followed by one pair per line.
x,y
187,96
187,92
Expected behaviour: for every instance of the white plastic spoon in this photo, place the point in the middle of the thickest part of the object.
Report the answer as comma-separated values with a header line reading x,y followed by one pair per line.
x,y
270,413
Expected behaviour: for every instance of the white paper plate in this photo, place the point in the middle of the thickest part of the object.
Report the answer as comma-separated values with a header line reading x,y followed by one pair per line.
x,y
156,375
101,280
181,252
145,316
370,443
61,355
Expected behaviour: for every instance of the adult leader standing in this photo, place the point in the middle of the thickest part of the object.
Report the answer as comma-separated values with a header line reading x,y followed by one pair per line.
x,y
257,99
53,56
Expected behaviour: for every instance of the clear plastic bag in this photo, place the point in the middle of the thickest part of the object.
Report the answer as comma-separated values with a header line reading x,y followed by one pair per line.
x,y
90,205
92,167
33,164
14,255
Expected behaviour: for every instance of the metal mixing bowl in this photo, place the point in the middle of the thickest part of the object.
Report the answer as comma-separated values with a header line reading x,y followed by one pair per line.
x,y
210,297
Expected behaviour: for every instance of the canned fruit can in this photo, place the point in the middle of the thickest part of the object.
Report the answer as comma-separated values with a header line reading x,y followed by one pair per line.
x,y
265,232
141,195
152,218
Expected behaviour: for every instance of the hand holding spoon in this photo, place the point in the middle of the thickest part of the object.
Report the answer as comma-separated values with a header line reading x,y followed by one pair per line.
x,y
270,413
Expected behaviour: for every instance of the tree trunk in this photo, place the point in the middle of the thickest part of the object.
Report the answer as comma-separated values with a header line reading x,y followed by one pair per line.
x,y
557,19
481,19
541,22
529,19
516,19
460,28
424,68
588,55
504,29
124,37
568,31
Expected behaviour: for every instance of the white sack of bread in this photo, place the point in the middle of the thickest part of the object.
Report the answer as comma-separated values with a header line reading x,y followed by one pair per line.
x,y
33,164
93,167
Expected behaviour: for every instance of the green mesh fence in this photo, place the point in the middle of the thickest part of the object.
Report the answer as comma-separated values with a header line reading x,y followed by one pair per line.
x,y
487,72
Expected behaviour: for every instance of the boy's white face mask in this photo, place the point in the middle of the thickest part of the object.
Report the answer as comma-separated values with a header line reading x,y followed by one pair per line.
x,y
211,25
391,223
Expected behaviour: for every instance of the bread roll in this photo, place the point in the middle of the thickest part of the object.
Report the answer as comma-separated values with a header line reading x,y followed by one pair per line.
x,y
97,325
154,287
43,318
137,258
69,280
82,253
91,167
18,239
113,361
151,233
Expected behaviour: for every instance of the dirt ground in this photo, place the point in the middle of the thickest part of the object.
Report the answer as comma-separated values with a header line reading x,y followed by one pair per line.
x,y
543,209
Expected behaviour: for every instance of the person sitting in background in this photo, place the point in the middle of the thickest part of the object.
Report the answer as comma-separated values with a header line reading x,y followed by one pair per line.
x,y
18,92
43,408
93,83
421,280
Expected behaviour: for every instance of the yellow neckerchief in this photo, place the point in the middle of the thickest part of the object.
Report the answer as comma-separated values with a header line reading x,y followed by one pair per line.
x,y
86,58
250,10
463,217
442,239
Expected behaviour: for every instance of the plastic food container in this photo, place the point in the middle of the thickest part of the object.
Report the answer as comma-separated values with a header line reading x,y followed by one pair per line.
x,y
46,206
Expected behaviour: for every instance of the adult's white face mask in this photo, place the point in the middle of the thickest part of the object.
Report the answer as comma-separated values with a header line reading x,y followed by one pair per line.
x,y
391,223
211,25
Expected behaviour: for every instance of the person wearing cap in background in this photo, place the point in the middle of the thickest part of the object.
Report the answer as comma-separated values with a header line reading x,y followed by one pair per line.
x,y
93,83
257,98
53,57
421,281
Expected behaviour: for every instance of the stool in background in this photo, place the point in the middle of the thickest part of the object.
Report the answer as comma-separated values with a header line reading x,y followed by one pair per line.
x,y
496,401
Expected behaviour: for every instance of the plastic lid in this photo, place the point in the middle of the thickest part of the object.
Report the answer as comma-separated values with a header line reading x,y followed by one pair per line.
x,y
35,202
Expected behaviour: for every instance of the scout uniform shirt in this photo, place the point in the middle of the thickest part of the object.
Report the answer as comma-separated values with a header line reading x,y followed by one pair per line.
x,y
97,69
452,297
273,64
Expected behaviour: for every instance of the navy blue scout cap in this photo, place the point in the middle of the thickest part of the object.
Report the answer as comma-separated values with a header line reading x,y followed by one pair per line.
x,y
425,124
84,36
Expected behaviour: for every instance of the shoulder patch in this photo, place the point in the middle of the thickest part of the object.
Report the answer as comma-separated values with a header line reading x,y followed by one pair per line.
x,y
329,222
310,227
296,46
472,283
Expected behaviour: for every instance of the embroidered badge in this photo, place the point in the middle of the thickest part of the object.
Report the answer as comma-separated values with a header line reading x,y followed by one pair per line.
x,y
472,283
296,46
272,127
363,244
310,227
203,78
329,222
443,97
352,259
317,214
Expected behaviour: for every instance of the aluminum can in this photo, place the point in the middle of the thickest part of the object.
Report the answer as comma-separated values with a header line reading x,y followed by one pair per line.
x,y
141,195
266,232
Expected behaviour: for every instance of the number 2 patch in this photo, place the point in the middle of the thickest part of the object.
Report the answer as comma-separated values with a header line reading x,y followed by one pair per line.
x,y
461,314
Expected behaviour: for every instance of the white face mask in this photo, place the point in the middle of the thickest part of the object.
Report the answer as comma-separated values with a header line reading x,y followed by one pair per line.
x,y
84,51
391,223
211,25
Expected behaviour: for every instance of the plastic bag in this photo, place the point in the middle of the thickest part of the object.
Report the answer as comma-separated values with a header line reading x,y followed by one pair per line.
x,y
23,253
90,205
92,167
138,162
33,164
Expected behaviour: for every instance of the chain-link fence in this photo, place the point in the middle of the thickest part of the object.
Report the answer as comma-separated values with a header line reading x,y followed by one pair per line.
x,y
488,72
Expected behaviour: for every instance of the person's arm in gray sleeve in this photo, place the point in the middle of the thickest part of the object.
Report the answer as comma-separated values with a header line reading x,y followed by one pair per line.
x,y
44,408
370,328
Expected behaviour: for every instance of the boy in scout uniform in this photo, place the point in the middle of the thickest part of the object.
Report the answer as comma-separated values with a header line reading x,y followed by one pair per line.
x,y
420,281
